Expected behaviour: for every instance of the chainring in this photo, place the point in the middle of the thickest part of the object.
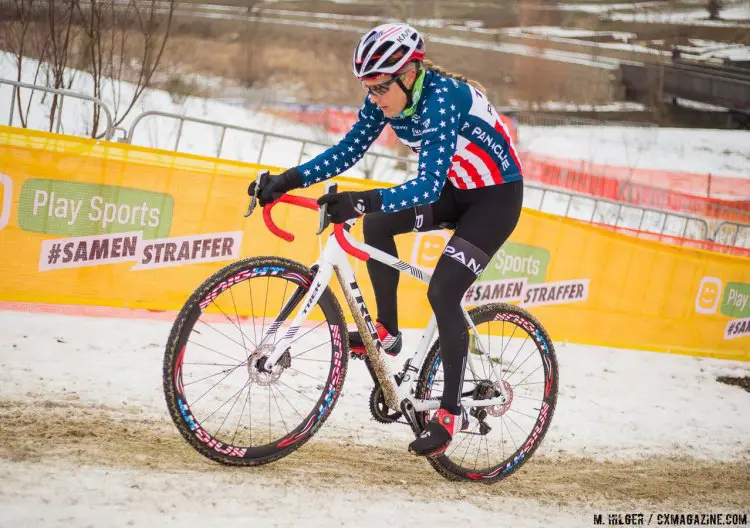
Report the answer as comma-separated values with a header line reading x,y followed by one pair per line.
x,y
378,408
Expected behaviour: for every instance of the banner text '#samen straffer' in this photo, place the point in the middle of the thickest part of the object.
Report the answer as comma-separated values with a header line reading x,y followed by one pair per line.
x,y
128,247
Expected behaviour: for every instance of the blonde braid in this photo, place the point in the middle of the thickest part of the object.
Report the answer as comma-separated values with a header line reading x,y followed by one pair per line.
x,y
431,66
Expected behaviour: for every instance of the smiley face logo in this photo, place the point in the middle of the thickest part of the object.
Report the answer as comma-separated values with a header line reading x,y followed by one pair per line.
x,y
427,249
709,293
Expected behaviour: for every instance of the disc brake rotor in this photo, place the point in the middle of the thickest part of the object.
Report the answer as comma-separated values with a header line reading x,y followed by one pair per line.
x,y
256,366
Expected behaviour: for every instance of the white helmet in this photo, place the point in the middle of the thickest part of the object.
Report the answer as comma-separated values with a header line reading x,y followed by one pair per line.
x,y
386,49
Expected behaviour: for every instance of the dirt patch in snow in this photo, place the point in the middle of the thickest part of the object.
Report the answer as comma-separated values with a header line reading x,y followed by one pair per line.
x,y
743,382
39,430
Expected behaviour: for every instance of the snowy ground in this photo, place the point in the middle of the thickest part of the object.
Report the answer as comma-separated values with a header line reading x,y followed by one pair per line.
x,y
86,440
716,152
733,13
697,50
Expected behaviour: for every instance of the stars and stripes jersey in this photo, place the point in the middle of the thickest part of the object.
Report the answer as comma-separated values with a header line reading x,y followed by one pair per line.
x,y
457,132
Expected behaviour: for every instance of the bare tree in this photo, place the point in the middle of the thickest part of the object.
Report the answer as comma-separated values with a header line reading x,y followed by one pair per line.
x,y
113,40
122,42
714,7
251,37
61,33
21,37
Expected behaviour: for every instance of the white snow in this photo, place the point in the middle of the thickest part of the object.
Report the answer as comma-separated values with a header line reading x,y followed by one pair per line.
x,y
117,362
705,50
696,105
613,405
735,17
718,152
560,106
96,496
605,8
666,12
554,31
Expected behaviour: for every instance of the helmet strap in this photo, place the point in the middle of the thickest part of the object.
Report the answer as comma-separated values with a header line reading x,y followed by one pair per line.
x,y
412,94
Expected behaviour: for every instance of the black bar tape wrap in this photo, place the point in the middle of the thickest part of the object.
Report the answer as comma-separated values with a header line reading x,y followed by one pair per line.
x,y
467,254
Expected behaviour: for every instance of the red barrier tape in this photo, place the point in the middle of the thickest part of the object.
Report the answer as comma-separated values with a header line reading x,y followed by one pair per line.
x,y
637,194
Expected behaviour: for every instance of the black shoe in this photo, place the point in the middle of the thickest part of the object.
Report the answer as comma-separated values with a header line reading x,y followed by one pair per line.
x,y
391,343
438,434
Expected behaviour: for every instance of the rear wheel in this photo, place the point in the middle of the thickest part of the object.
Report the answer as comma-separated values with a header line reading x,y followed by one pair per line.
x,y
221,398
511,353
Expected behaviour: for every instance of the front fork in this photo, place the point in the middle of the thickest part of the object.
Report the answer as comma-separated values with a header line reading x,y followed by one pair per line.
x,y
308,300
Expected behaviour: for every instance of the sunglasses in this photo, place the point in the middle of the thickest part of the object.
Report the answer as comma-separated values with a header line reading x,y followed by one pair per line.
x,y
382,88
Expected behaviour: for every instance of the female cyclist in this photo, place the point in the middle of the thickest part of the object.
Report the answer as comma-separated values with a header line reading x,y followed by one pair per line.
x,y
460,140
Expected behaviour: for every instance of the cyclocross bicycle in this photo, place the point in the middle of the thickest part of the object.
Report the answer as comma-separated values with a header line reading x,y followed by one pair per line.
x,y
257,357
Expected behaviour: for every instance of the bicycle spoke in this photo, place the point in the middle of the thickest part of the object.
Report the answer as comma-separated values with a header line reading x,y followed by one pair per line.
x,y
502,437
237,325
278,408
298,392
511,420
269,413
463,439
504,347
210,364
242,389
290,403
263,324
297,338
207,418
239,361
528,383
517,395
522,414
252,310
213,386
515,446
471,439
315,360
242,412
311,349
487,445
308,375
527,377
205,378
521,365
223,334
476,458
517,353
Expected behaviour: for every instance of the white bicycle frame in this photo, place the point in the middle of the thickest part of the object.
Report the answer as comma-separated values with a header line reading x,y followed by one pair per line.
x,y
334,259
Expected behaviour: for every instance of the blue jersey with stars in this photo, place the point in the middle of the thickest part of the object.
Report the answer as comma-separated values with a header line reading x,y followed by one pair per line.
x,y
457,132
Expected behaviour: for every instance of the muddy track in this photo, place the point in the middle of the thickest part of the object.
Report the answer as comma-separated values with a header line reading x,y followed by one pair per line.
x,y
43,430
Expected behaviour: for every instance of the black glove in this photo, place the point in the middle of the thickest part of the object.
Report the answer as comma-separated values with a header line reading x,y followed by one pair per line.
x,y
277,186
347,205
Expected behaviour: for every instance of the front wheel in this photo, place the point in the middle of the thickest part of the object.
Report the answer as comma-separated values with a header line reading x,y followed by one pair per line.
x,y
509,354
223,401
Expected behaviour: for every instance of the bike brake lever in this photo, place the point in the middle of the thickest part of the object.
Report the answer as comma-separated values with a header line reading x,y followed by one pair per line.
x,y
261,180
324,220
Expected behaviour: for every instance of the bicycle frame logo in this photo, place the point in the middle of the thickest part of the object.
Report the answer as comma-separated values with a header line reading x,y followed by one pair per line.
x,y
7,201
